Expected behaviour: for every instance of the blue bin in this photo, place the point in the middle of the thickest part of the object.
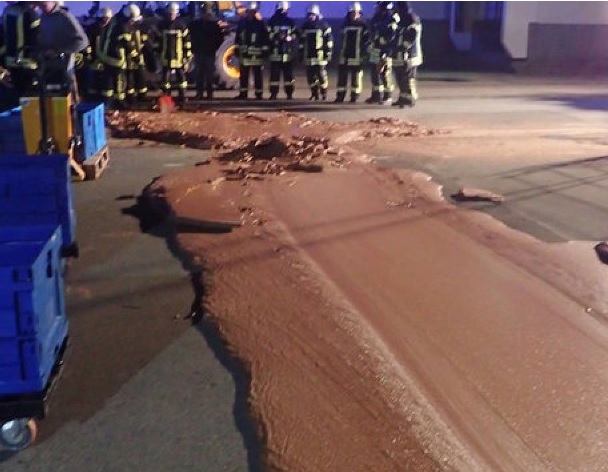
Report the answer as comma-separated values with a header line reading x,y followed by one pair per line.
x,y
92,124
11,132
36,191
33,322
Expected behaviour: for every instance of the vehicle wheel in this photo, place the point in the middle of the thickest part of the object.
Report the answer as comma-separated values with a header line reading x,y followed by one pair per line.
x,y
227,64
18,434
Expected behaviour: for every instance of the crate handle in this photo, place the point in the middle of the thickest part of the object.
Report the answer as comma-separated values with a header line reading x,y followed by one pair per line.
x,y
49,264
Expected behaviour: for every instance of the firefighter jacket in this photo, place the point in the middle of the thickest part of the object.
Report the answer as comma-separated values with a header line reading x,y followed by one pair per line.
x,y
382,37
283,35
407,49
316,43
175,47
20,25
113,43
355,36
136,38
93,32
252,42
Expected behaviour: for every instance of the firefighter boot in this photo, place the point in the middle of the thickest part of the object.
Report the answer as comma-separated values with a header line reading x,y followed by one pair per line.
x,y
375,98
386,99
324,94
314,94
339,97
354,97
413,91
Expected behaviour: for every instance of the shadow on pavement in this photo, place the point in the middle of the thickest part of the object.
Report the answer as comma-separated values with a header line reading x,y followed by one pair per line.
x,y
152,222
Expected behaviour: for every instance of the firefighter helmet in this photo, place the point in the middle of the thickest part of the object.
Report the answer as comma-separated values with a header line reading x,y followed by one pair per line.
x,y
314,10
132,12
385,5
253,6
356,6
282,6
173,8
105,13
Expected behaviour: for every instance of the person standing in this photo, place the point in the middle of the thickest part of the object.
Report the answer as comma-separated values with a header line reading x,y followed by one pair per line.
x,y
20,25
136,86
407,54
93,66
207,36
61,36
352,54
175,51
316,48
111,51
252,43
283,36
382,38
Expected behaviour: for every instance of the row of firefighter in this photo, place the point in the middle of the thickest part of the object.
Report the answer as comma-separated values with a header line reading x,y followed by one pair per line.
x,y
124,47
389,42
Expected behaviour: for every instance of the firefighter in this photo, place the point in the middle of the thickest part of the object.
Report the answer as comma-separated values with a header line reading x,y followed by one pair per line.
x,y
252,43
407,54
382,35
21,23
93,75
111,52
136,86
316,48
283,36
352,54
175,52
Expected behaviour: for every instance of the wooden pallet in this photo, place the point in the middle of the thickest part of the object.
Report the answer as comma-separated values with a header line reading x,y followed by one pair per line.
x,y
96,164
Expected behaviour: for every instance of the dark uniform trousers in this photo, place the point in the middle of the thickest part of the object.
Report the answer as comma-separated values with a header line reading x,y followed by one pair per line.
x,y
356,81
316,75
205,74
276,69
258,80
136,83
179,80
115,83
382,84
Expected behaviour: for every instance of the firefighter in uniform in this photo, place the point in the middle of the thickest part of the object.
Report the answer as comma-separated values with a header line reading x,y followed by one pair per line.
x,y
382,35
252,43
283,35
136,86
20,25
352,54
175,51
93,66
316,48
111,52
407,54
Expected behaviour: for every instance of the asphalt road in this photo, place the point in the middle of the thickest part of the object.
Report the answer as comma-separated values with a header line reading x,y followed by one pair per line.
x,y
145,389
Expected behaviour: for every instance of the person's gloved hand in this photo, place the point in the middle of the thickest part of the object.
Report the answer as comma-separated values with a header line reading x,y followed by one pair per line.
x,y
5,78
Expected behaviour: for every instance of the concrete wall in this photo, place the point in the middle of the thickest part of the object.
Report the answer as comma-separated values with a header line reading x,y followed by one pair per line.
x,y
546,31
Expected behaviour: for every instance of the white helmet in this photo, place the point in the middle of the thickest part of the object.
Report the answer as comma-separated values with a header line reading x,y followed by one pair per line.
x,y
105,13
314,10
253,6
282,6
173,8
356,6
132,12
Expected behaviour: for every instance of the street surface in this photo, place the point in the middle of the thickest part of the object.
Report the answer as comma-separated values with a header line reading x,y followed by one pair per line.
x,y
143,389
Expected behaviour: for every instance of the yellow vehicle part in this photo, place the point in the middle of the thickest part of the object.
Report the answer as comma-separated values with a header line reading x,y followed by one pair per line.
x,y
228,60
59,117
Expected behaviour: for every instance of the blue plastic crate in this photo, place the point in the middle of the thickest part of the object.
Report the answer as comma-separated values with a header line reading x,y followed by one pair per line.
x,y
33,322
37,190
11,132
92,124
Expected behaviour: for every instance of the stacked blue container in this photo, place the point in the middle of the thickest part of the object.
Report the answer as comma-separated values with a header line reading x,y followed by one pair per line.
x,y
37,191
33,323
92,123
11,133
